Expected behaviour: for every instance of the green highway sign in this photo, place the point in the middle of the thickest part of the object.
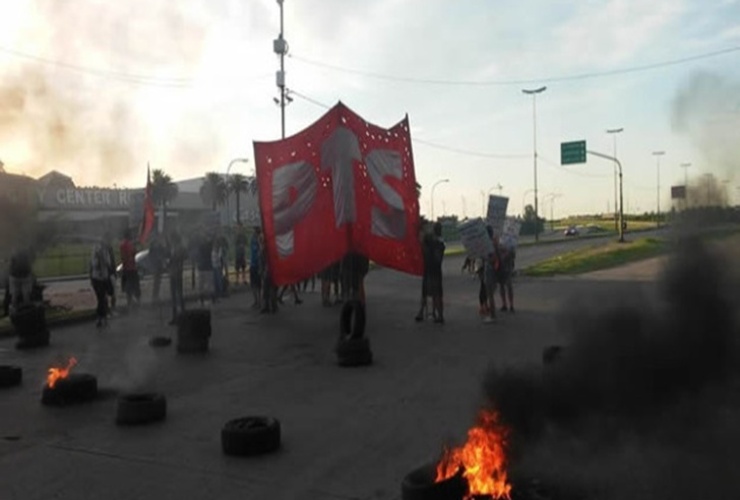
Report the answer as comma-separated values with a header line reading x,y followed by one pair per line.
x,y
572,152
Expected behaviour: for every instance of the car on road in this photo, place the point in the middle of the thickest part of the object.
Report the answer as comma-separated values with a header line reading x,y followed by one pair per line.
x,y
571,231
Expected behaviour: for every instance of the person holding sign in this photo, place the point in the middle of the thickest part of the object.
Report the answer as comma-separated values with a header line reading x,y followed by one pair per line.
x,y
434,250
505,272
491,266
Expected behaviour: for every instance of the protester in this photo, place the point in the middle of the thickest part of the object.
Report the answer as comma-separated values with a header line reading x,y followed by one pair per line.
x,y
490,268
129,274
177,253
20,279
111,286
433,247
269,299
505,274
218,261
157,258
101,268
354,267
240,254
255,268
204,263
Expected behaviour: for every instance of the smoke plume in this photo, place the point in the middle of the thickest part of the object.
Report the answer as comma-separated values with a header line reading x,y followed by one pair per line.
x,y
707,110
87,105
644,388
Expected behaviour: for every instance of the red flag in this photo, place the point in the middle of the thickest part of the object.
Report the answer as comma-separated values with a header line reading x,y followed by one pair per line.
x,y
147,221
341,185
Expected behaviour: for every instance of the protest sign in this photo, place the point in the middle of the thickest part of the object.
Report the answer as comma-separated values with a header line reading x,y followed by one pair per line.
x,y
474,238
497,213
510,236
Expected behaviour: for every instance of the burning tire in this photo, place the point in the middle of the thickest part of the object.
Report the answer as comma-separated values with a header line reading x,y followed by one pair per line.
x,y
144,408
193,331
10,376
75,388
419,485
248,436
160,341
354,352
352,310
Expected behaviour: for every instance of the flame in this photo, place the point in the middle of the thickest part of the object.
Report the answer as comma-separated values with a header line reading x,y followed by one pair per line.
x,y
482,459
57,373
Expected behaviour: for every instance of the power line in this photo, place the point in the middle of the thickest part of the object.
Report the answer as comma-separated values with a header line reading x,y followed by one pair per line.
x,y
131,78
543,80
116,75
422,141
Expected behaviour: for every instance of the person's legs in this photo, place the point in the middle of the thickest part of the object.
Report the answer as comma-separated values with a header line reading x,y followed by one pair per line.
x,y
101,297
296,298
510,290
502,293
156,285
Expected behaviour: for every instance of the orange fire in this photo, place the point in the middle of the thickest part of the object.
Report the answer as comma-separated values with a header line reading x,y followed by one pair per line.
x,y
482,459
57,373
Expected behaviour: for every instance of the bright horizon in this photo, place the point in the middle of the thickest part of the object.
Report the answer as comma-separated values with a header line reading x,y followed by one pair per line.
x,y
98,90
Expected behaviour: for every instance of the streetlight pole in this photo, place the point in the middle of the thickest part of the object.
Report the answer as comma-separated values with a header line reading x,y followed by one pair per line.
x,y
280,46
658,154
534,93
614,132
434,186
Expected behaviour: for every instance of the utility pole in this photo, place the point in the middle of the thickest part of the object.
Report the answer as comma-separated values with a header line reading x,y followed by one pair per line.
x,y
280,46
534,93
658,154
614,132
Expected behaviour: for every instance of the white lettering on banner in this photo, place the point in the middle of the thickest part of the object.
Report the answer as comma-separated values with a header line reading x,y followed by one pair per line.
x,y
106,197
60,197
98,197
70,196
381,163
337,154
301,178
123,197
78,197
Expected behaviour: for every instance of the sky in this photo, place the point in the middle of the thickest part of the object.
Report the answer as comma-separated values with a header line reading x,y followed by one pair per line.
x,y
99,89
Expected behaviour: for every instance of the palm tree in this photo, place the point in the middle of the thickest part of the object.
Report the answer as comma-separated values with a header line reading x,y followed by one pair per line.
x,y
213,191
163,192
238,184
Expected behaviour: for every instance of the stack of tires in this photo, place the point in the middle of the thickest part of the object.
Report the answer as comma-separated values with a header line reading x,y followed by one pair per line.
x,y
10,376
193,331
353,348
76,388
29,322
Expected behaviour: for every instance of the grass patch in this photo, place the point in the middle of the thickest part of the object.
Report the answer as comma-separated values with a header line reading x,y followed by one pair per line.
x,y
602,257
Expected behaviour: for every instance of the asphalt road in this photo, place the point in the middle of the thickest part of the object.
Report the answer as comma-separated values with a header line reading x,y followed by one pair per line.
x,y
347,433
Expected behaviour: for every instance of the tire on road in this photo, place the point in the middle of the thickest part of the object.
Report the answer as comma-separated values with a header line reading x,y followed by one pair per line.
x,y
352,320
248,436
141,408
30,325
419,485
76,388
10,376
354,352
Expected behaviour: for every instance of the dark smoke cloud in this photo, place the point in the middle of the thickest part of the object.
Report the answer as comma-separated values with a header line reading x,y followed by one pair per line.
x,y
642,401
707,109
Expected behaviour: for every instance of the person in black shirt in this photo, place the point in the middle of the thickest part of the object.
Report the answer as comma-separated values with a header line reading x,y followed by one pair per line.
x,y
433,248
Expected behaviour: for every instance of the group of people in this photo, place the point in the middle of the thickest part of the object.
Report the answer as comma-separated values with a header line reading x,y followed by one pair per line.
x,y
494,270
346,278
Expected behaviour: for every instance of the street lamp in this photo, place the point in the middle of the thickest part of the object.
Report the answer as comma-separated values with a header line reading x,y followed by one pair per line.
x,y
434,186
228,196
552,197
614,132
280,47
533,93
658,154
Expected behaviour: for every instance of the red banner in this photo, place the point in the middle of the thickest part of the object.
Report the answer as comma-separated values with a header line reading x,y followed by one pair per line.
x,y
341,185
